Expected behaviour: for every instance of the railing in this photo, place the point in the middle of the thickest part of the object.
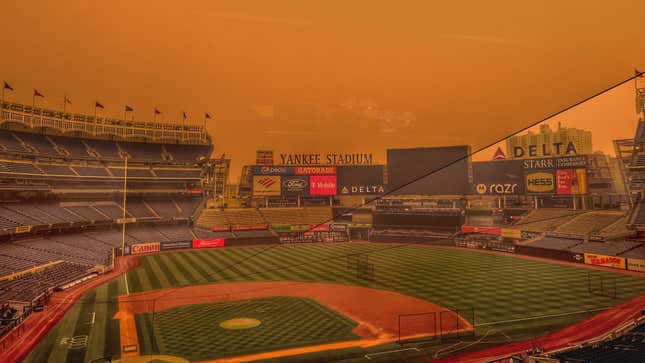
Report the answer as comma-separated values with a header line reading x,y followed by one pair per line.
x,y
100,127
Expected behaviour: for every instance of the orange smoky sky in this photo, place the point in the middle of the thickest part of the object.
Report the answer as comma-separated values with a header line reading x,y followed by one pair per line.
x,y
318,76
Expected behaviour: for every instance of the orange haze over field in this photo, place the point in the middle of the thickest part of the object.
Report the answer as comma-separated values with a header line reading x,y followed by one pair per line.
x,y
279,74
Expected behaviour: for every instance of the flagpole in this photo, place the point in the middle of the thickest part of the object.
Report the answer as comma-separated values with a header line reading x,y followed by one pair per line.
x,y
125,188
33,108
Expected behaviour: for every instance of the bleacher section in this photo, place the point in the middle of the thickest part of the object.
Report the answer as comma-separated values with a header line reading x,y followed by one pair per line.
x,y
628,347
545,219
30,286
54,146
590,223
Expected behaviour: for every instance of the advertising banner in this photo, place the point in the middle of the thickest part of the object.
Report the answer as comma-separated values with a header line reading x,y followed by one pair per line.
x,y
299,227
568,162
293,186
498,177
315,170
318,227
486,230
208,243
360,180
322,185
240,227
266,185
540,181
176,245
604,260
338,227
139,248
271,170
22,229
635,264
571,181
511,233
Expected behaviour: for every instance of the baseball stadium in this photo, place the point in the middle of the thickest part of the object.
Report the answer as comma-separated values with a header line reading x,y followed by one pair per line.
x,y
366,185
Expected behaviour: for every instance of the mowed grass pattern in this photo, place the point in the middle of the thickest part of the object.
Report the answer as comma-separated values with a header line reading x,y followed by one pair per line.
x,y
499,288
193,331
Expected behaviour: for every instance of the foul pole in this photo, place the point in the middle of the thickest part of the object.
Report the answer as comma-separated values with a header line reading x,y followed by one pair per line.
x,y
125,191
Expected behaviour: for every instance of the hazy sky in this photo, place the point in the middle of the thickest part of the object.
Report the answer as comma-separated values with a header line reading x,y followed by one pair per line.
x,y
273,72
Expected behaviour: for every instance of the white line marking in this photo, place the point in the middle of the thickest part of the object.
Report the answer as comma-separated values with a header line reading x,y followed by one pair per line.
x,y
127,288
368,356
93,317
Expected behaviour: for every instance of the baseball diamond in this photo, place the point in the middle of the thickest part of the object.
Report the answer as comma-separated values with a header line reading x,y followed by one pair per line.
x,y
179,297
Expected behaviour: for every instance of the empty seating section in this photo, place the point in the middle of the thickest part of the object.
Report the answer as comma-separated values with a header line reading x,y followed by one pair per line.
x,y
629,347
74,146
66,252
175,233
32,210
142,151
283,215
590,223
39,143
90,171
87,212
138,209
145,234
636,252
105,149
132,172
20,168
60,212
246,217
178,173
187,153
28,287
111,210
188,205
212,217
10,143
20,218
164,208
56,169
545,219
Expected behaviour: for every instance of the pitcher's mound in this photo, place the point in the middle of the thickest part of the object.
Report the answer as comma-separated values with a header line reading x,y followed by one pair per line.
x,y
240,323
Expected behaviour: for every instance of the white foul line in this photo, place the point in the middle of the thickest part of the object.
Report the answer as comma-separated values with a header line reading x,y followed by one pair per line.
x,y
127,288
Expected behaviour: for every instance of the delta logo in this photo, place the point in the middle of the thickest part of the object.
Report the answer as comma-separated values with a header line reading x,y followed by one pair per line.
x,y
499,154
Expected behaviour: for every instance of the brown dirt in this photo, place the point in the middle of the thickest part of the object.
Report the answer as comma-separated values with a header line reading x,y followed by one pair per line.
x,y
375,311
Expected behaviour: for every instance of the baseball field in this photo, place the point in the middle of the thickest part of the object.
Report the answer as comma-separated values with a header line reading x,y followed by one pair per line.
x,y
311,302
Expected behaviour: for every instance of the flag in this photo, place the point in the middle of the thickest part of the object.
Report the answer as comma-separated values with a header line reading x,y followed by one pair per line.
x,y
207,115
7,86
157,112
184,114
67,100
128,108
38,94
98,105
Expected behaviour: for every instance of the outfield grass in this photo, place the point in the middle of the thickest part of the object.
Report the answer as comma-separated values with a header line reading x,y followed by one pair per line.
x,y
500,288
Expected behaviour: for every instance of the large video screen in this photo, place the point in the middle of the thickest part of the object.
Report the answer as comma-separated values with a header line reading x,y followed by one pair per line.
x,y
449,167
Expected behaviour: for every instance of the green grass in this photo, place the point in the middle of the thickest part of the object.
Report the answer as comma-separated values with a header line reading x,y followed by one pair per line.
x,y
193,331
500,288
